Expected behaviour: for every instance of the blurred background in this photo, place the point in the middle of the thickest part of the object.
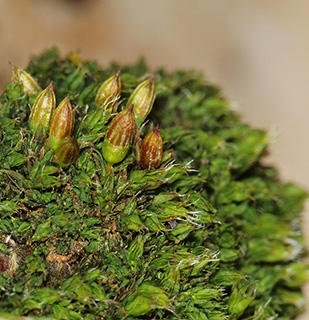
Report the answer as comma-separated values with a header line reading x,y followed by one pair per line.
x,y
256,50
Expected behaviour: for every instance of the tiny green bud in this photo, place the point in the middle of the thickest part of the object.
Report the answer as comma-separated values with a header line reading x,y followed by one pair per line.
x,y
31,87
119,136
151,150
142,98
109,93
62,124
42,111
67,152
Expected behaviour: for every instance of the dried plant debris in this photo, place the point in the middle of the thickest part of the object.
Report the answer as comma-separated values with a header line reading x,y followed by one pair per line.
x,y
97,224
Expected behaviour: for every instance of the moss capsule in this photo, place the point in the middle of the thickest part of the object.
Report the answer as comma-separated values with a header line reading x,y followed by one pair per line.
x,y
62,124
142,98
30,85
119,136
151,150
42,111
67,152
109,93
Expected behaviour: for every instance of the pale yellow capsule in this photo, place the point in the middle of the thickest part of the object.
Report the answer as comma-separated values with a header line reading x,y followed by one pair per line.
x,y
142,98
109,93
30,85
42,111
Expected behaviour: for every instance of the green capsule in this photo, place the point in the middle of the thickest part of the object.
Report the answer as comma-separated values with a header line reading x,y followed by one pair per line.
x,y
42,111
67,152
142,98
119,137
62,124
30,85
109,93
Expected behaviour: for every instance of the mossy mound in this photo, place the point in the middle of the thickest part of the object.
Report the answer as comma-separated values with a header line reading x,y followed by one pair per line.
x,y
211,234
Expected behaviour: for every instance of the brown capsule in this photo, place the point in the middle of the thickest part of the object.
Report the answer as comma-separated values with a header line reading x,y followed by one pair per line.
x,y
151,150
119,136
62,124
109,93
67,152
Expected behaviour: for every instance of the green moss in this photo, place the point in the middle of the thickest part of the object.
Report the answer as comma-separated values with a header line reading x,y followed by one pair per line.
x,y
211,234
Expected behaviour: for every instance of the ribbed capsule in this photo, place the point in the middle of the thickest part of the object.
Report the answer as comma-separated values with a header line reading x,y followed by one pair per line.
x,y
151,150
119,136
42,111
109,93
67,152
30,85
142,98
62,124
